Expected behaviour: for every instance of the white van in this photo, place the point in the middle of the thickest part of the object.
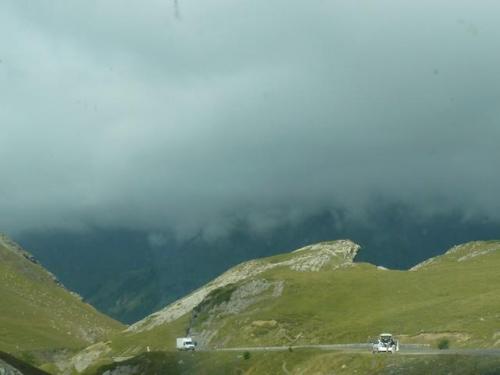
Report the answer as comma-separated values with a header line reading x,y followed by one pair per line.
x,y
185,343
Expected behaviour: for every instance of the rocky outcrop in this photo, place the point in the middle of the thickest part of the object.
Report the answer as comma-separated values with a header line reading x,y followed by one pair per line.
x,y
461,253
316,257
423,264
6,369
10,365
230,300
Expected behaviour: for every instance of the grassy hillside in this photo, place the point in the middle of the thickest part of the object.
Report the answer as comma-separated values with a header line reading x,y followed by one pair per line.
x,y
37,313
454,295
300,362
318,295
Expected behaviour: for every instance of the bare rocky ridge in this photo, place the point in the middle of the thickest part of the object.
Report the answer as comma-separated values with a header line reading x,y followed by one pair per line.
x,y
461,253
318,256
332,255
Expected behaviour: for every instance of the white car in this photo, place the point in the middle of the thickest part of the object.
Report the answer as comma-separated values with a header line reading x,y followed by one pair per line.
x,y
385,344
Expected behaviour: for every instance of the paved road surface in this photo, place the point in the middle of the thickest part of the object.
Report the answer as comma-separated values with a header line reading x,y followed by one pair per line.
x,y
405,349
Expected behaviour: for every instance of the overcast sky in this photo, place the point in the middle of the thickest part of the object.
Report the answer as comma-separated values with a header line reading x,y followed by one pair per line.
x,y
115,112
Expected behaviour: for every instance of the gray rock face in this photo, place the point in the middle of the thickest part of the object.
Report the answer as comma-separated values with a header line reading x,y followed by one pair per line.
x,y
240,298
462,253
6,369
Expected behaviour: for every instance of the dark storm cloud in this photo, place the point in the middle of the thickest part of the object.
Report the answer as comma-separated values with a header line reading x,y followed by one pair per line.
x,y
119,113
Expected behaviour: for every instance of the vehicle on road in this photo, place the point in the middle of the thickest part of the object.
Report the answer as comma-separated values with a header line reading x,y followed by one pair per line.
x,y
385,344
185,343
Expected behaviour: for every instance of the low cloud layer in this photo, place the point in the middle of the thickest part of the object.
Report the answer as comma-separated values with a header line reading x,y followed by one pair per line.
x,y
123,113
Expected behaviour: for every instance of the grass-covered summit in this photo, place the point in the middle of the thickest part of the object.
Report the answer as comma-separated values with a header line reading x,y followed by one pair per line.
x,y
323,256
320,295
37,313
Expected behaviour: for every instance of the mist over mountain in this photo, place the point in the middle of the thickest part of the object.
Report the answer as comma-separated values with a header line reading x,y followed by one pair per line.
x,y
129,274
145,152
148,147
265,111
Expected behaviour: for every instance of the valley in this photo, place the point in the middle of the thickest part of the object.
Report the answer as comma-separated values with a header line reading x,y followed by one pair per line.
x,y
294,313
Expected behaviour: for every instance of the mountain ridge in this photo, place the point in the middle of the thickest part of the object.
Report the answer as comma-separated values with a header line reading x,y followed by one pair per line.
x,y
317,294
8,244
308,258
37,312
288,266
304,297
394,235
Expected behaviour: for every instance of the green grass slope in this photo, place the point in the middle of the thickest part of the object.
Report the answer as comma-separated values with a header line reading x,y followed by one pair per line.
x,y
333,300
299,362
37,313
454,296
318,295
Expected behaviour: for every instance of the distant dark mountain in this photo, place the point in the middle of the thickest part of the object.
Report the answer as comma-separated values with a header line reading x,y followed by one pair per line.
x,y
114,270
128,276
